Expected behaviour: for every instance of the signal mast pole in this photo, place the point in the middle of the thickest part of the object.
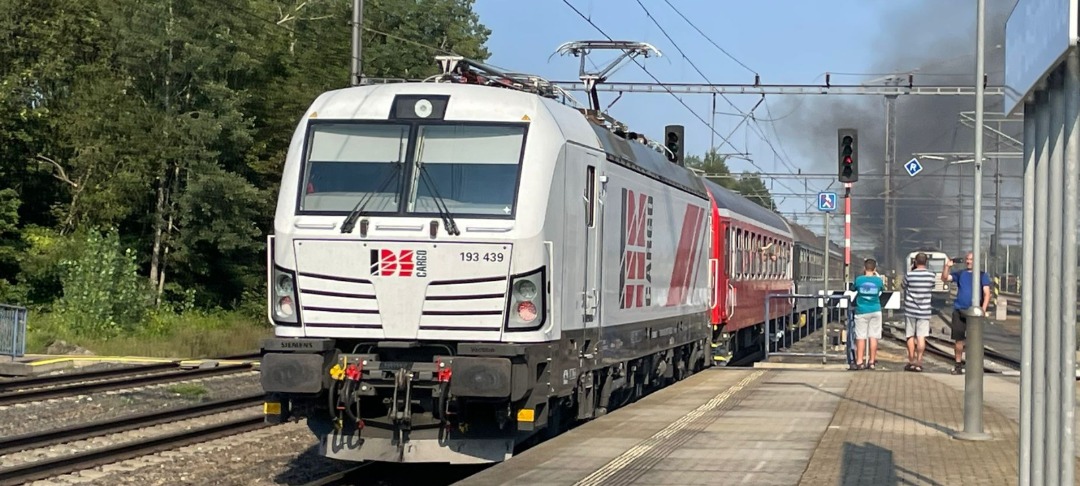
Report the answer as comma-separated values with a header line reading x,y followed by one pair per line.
x,y
355,77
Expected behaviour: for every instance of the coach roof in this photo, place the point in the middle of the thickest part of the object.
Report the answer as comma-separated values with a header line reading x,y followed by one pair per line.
x,y
726,199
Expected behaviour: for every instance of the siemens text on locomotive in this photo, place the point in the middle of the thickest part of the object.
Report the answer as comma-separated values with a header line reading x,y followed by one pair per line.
x,y
458,269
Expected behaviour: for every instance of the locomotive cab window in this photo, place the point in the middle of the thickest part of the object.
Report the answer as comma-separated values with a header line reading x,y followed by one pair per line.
x,y
400,168
347,162
473,169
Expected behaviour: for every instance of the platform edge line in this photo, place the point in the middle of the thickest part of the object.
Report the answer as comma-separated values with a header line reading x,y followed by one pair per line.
x,y
624,459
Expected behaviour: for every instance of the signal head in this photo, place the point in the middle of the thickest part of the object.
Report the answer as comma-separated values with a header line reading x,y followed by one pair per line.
x,y
673,136
848,148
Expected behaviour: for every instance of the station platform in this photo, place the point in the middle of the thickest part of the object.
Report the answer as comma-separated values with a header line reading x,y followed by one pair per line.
x,y
784,427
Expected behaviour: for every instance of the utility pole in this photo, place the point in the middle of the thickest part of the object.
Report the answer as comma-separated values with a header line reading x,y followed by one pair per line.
x,y
890,161
995,247
712,136
828,263
356,77
973,374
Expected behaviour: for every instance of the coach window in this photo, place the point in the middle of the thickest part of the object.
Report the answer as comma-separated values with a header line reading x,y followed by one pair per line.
x,y
755,252
766,257
744,243
791,260
759,268
738,254
770,258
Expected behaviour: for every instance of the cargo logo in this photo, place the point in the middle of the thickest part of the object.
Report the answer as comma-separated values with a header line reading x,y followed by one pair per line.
x,y
401,263
635,246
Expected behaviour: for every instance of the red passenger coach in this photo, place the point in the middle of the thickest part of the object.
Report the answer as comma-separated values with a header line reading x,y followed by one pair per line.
x,y
750,258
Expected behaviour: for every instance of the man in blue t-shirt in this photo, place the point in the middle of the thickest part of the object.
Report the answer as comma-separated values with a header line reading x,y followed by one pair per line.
x,y
868,289
963,302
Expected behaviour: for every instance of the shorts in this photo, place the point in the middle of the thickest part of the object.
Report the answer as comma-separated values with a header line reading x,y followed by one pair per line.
x,y
916,327
868,325
958,326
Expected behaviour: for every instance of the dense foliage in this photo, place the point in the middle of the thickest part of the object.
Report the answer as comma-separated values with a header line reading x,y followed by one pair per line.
x,y
142,147
143,140
749,184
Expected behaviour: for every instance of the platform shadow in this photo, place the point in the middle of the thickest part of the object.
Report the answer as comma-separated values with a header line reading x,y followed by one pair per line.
x,y
871,464
932,425
306,466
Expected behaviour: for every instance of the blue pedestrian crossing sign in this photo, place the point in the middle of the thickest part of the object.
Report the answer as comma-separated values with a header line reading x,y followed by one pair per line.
x,y
826,201
913,167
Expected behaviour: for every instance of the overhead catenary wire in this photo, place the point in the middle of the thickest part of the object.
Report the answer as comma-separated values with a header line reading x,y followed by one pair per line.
x,y
658,82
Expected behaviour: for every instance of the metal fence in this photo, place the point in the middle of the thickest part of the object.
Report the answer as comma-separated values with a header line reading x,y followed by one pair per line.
x,y
810,326
12,331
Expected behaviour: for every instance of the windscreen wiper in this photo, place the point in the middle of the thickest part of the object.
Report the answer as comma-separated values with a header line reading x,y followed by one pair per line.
x,y
440,204
350,220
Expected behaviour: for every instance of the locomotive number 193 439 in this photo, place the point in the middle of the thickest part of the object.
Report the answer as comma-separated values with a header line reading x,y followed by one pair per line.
x,y
473,256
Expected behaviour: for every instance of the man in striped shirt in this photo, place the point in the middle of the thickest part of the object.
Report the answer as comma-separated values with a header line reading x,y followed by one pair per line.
x,y
918,285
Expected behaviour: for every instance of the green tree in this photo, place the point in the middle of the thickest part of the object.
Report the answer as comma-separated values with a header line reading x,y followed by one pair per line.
x,y
714,167
170,120
753,188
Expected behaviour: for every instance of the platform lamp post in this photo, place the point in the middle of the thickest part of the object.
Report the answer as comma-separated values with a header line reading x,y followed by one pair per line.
x,y
973,373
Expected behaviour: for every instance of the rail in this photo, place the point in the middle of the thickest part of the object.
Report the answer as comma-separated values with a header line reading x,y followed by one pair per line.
x,y
50,380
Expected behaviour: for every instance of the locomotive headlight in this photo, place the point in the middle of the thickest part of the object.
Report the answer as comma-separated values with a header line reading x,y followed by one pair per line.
x,y
284,284
526,302
283,308
422,108
525,289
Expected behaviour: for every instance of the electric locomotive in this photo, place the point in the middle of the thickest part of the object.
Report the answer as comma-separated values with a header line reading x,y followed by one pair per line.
x,y
458,269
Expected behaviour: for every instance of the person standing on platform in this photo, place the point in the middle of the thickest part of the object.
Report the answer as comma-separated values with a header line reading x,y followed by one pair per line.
x,y
963,302
918,285
868,288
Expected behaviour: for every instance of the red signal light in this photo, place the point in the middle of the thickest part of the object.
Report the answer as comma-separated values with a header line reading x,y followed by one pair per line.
x,y
847,159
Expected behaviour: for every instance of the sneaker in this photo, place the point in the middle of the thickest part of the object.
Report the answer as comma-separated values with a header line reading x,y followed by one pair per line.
x,y
958,369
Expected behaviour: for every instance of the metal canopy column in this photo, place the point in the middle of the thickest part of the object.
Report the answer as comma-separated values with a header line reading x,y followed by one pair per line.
x,y
1048,320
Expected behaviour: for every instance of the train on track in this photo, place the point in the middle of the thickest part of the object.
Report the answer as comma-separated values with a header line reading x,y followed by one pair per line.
x,y
938,262
462,267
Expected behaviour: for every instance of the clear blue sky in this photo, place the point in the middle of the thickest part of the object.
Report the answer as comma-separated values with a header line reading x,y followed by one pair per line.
x,y
785,41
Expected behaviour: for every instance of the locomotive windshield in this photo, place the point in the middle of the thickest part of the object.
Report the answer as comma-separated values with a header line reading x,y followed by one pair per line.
x,y
472,169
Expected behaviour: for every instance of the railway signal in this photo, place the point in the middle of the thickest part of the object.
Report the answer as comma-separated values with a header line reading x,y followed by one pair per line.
x,y
848,144
673,140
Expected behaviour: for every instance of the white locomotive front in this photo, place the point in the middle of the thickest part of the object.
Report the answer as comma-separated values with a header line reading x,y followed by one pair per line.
x,y
441,283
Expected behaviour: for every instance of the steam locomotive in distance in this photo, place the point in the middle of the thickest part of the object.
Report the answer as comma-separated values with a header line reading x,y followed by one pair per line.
x,y
462,267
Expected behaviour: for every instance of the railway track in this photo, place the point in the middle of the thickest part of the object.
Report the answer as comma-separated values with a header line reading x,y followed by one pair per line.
x,y
37,392
943,348
35,440
87,376
52,380
52,467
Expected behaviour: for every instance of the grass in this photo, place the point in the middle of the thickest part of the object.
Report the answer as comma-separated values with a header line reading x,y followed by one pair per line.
x,y
196,334
188,390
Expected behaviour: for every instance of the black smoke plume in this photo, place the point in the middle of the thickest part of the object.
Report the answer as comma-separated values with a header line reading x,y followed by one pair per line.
x,y
935,40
